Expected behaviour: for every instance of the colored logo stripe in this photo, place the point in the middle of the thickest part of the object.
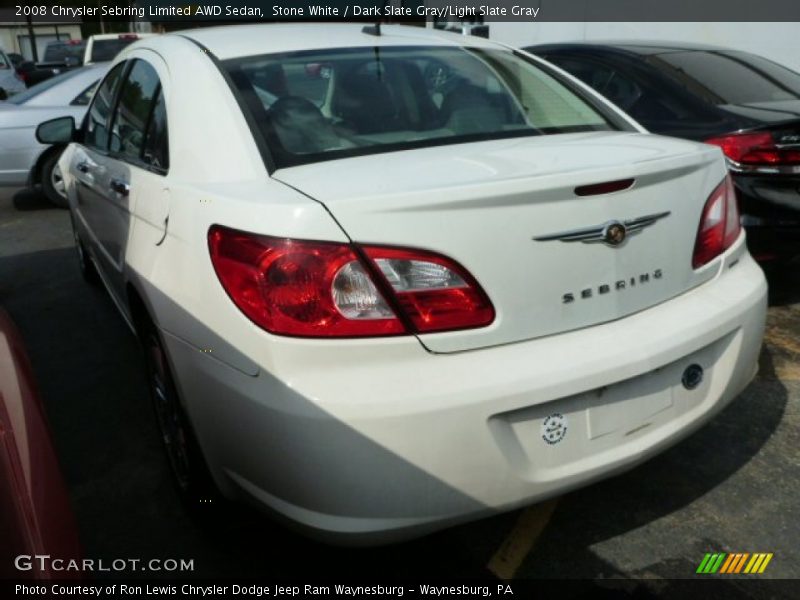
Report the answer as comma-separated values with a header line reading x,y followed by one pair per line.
x,y
711,562
727,564
758,563
734,562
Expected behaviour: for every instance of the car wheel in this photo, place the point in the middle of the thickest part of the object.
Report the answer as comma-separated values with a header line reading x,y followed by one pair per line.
x,y
189,470
53,181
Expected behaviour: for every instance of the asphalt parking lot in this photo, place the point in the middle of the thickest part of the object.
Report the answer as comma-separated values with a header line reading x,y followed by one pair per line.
x,y
731,487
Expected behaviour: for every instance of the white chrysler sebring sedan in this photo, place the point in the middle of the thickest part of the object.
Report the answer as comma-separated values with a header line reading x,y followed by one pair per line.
x,y
388,280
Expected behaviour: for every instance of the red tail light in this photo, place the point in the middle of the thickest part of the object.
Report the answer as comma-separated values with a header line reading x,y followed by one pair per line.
x,y
719,225
432,291
757,148
324,289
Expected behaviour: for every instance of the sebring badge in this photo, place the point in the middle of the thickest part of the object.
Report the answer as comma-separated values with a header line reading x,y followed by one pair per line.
x,y
611,234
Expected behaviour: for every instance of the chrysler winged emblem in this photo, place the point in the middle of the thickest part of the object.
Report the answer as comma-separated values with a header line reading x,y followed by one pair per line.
x,y
613,233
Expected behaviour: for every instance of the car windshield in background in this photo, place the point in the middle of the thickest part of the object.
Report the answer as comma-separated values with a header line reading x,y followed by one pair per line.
x,y
60,51
37,89
106,50
727,77
321,105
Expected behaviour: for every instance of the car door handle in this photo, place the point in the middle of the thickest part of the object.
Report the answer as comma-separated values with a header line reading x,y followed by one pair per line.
x,y
119,186
83,167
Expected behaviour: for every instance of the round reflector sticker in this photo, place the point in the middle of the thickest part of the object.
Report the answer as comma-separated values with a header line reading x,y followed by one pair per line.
x,y
554,428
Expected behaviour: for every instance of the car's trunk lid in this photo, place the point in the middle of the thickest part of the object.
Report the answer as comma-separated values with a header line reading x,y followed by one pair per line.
x,y
483,204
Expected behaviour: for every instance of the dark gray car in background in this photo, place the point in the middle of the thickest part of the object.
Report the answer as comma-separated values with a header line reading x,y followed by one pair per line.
x,y
746,104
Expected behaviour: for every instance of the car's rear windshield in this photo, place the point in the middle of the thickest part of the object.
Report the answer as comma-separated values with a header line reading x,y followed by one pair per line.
x,y
59,52
729,77
320,105
106,50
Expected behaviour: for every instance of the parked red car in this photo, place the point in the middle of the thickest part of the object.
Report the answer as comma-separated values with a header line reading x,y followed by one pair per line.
x,y
35,513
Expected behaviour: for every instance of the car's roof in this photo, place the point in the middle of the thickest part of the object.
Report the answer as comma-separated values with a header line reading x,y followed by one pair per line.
x,y
115,36
249,40
66,86
66,43
643,47
94,67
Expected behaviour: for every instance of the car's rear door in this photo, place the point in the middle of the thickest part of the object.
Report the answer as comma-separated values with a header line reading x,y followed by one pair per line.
x,y
90,168
137,177
131,171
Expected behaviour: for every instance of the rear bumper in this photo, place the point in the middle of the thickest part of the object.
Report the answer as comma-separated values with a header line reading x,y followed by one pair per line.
x,y
770,209
378,440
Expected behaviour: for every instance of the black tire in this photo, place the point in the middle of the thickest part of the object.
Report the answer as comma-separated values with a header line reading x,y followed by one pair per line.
x,y
51,179
85,264
189,470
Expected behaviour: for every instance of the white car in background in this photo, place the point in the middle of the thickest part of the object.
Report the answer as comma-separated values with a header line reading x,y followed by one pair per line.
x,y
389,279
103,47
10,81
24,160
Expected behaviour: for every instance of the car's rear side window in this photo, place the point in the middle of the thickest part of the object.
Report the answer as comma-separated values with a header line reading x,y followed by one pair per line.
x,y
97,122
320,105
156,144
138,126
133,110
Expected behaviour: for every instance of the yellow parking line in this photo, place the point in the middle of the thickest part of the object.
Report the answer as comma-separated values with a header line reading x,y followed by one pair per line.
x,y
521,539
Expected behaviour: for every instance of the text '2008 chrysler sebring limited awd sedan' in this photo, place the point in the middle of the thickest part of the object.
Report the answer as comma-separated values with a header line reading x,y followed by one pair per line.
x,y
388,280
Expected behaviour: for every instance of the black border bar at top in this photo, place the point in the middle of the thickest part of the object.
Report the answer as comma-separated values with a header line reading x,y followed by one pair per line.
x,y
410,10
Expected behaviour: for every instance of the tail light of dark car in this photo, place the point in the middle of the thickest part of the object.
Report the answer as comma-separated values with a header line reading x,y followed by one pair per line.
x,y
756,149
328,289
719,224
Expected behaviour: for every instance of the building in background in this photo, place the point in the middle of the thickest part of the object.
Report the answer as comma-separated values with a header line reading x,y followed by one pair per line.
x,y
15,36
